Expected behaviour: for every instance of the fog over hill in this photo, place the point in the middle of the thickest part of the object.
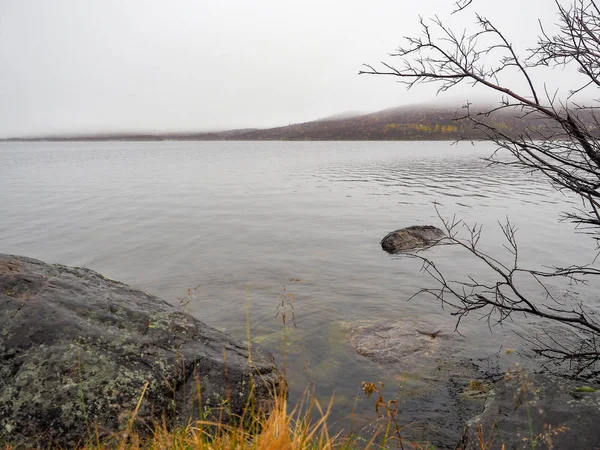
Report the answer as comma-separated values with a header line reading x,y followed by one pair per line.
x,y
413,122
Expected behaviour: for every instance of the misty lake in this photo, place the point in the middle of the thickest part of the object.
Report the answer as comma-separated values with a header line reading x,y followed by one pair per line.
x,y
227,229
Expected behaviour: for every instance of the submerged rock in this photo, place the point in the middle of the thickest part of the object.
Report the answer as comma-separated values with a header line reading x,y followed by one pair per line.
x,y
423,361
78,349
536,411
396,341
411,238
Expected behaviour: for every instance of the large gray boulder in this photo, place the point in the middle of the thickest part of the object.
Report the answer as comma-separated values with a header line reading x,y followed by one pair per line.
x,y
411,238
536,411
77,349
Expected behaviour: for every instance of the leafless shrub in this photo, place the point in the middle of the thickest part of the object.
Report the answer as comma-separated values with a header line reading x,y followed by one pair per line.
x,y
564,146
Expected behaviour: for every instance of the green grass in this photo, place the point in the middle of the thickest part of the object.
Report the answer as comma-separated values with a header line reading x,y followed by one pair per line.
x,y
585,389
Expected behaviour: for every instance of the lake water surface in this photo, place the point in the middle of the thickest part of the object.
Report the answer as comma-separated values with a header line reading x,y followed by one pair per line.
x,y
224,228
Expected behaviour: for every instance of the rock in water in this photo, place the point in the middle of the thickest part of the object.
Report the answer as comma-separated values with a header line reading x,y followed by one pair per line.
x,y
77,349
393,341
410,238
539,411
424,364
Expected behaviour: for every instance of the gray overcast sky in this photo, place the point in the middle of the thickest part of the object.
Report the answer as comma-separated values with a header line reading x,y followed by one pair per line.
x,y
157,65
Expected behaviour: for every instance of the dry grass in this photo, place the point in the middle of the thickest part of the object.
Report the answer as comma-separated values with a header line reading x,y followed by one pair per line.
x,y
305,428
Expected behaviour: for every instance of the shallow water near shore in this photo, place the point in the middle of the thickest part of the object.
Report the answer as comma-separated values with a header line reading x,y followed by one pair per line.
x,y
232,230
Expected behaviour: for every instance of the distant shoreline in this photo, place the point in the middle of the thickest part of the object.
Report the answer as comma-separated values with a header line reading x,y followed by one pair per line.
x,y
176,139
399,124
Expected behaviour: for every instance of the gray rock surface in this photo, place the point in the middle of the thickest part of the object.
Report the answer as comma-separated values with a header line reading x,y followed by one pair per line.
x,y
537,411
394,341
411,238
422,360
76,350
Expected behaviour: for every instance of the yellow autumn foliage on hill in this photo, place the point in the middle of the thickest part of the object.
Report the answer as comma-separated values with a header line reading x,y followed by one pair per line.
x,y
437,128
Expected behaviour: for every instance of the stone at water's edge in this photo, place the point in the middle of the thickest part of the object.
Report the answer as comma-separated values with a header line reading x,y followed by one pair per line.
x,y
421,360
537,411
395,341
411,238
76,350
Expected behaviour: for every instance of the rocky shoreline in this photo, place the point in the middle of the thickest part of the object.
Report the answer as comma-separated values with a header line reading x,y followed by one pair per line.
x,y
77,348
464,403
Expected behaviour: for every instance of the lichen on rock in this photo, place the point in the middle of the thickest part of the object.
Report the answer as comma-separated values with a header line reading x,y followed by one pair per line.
x,y
77,350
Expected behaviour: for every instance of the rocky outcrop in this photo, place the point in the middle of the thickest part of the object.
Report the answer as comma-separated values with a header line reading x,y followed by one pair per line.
x,y
536,411
78,349
411,238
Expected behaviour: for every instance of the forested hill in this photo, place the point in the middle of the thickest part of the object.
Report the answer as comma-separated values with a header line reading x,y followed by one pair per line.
x,y
404,123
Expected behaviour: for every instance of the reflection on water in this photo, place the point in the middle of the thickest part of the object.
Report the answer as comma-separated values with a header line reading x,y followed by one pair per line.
x,y
244,222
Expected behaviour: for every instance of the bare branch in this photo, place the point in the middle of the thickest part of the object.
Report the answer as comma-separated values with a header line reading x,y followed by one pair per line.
x,y
559,140
500,299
